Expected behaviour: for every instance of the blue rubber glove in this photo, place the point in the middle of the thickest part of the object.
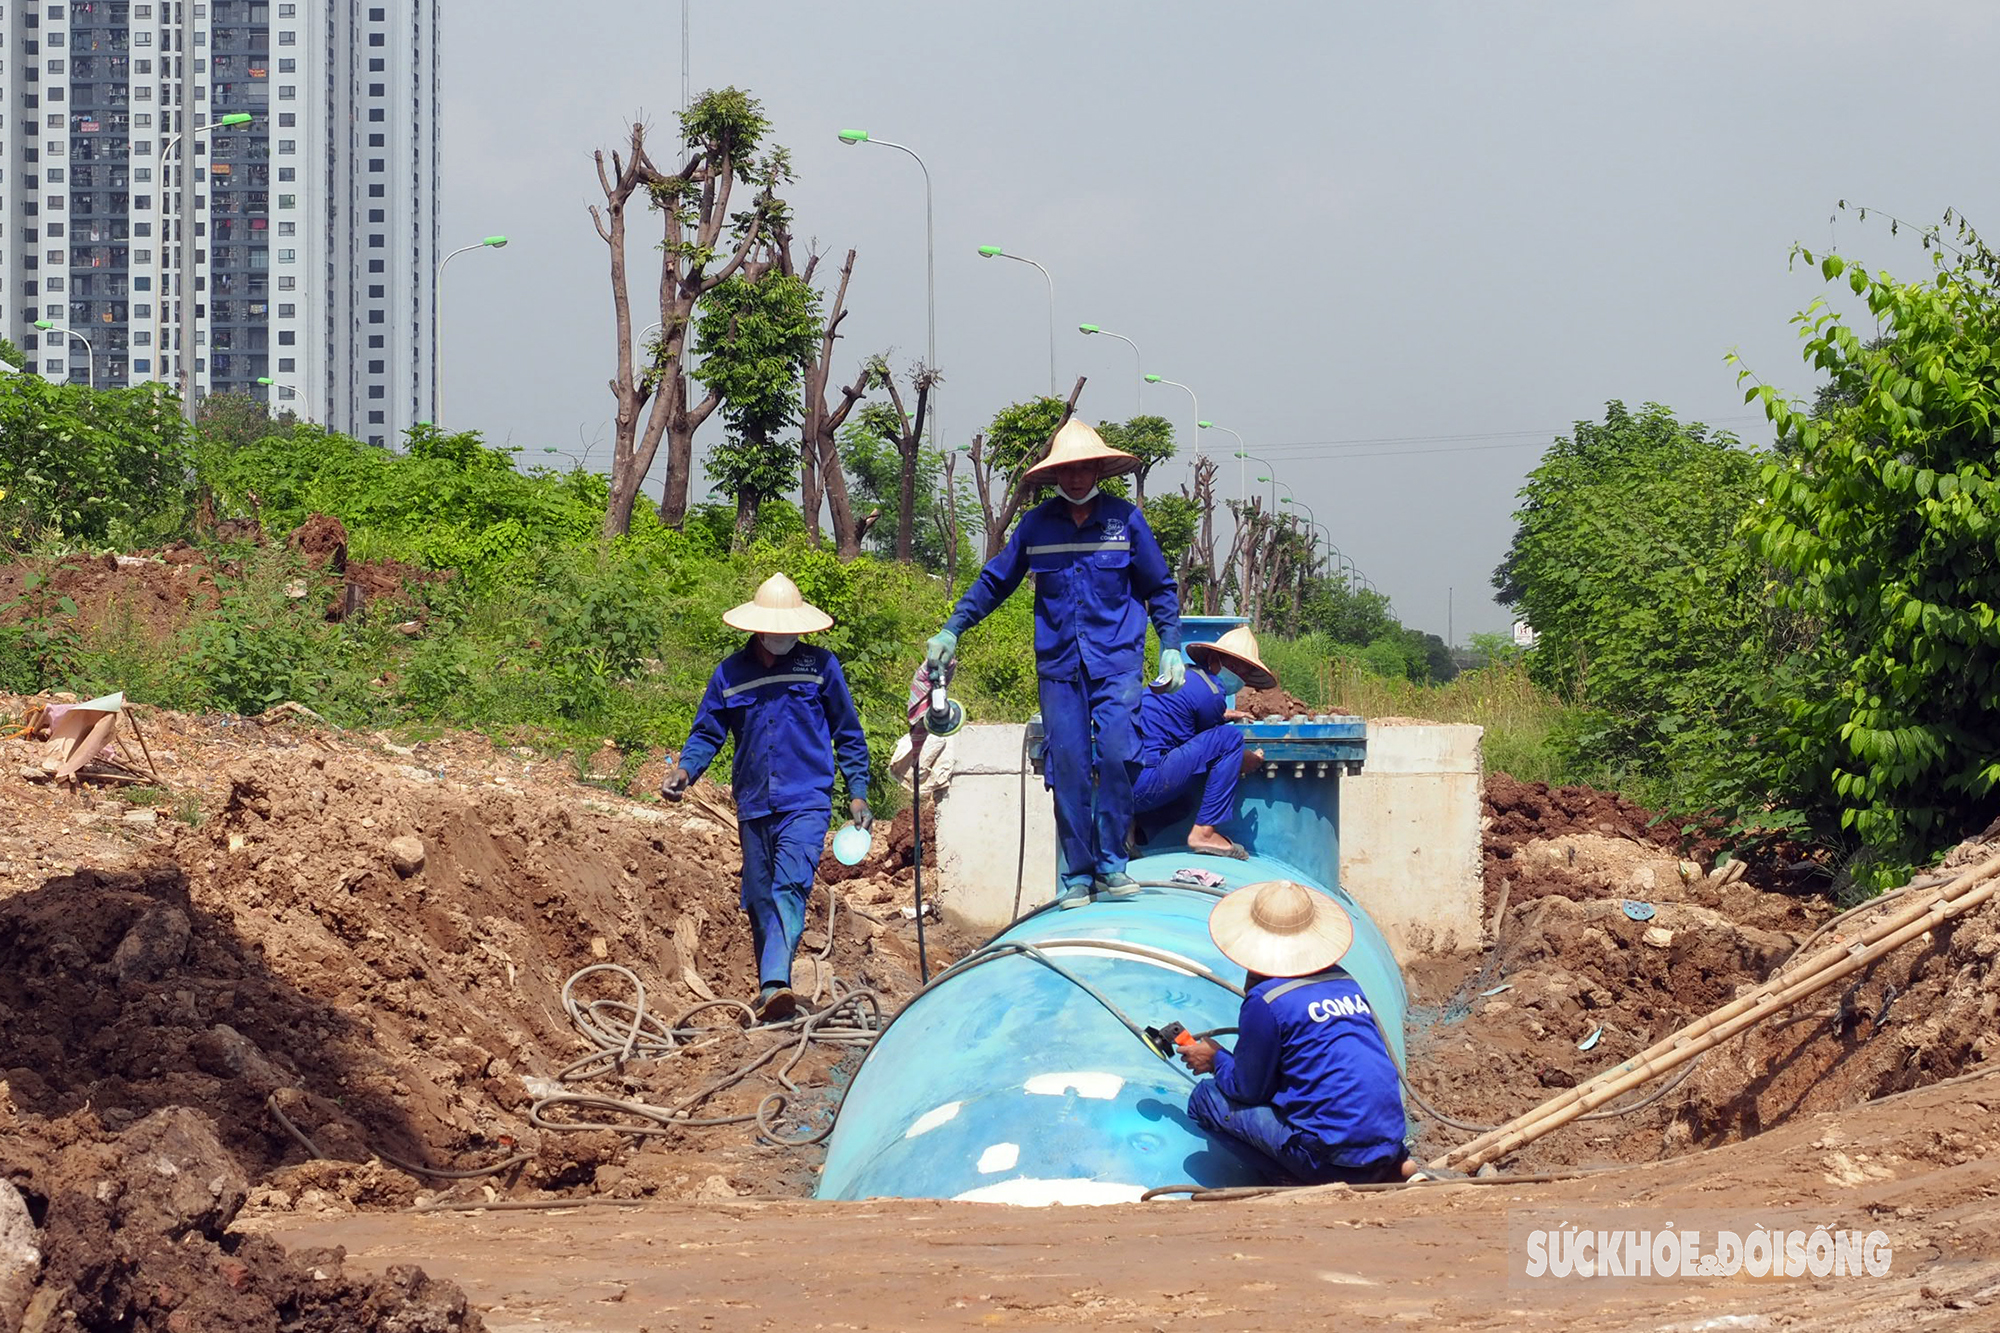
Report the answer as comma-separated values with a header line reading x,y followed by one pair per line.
x,y
941,649
1173,668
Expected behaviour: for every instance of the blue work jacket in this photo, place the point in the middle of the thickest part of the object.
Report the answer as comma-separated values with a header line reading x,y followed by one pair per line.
x,y
1167,721
1313,1054
789,720
1095,585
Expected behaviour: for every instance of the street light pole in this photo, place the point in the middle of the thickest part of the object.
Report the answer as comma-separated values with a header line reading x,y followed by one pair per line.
x,y
996,252
89,354
852,137
291,389
437,323
1198,449
1138,361
1242,468
185,350
1249,457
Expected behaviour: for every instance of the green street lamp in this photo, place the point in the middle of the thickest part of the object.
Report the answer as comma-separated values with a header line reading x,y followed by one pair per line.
x,y
1138,360
853,137
437,322
996,252
551,449
89,354
1158,379
184,349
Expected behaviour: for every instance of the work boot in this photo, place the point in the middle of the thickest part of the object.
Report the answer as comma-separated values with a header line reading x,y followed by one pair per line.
x,y
1075,893
1116,886
776,1003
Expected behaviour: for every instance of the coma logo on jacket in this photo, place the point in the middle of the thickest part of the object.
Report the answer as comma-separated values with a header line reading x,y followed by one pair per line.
x,y
1345,1006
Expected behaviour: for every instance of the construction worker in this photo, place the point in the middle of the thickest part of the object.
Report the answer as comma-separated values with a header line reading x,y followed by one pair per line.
x,y
1099,574
1311,1086
1184,742
786,705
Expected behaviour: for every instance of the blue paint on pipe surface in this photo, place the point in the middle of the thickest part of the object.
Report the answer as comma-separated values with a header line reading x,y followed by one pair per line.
x,y
1008,1081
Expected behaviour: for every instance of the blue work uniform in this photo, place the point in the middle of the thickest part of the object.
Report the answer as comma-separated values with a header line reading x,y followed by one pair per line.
x,y
1096,584
1182,740
1311,1085
790,721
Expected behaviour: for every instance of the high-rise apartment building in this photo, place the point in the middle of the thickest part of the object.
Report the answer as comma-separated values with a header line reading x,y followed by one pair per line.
x,y
314,224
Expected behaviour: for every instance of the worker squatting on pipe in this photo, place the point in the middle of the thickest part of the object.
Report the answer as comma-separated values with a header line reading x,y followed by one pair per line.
x,y
1311,1085
787,706
1184,742
1098,573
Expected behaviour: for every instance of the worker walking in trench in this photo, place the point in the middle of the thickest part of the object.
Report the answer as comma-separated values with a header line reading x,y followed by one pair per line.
x,y
787,706
1311,1086
1099,575
1186,744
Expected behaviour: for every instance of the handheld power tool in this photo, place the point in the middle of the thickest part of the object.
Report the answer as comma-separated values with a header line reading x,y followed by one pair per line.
x,y
945,715
1169,1041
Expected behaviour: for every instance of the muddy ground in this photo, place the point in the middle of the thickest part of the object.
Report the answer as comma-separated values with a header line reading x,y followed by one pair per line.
x,y
370,941
327,971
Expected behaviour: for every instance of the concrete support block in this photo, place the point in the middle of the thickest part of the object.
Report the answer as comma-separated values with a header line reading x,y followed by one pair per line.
x,y
979,831
1410,837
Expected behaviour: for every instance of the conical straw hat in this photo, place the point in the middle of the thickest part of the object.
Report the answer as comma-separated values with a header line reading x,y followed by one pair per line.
x,y
1281,929
777,609
1078,443
1236,650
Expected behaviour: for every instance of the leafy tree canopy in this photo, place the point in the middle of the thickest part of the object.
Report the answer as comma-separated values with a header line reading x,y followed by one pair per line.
x,y
1882,519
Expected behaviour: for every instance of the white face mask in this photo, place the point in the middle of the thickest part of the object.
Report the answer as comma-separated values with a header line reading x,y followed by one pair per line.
x,y
1083,499
777,645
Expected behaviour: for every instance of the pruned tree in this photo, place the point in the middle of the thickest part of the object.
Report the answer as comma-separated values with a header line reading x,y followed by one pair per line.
x,y
903,425
1197,571
1019,435
754,331
1149,439
703,244
821,477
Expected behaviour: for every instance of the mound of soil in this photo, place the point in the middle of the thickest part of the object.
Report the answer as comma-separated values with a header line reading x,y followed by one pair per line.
x,y
1575,985
379,956
154,594
322,541
129,1232
1277,702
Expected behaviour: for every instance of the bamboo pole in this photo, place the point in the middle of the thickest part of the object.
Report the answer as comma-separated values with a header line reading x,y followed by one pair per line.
x,y
1972,887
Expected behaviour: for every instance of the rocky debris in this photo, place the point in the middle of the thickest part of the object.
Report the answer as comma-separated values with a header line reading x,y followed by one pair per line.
x,y
322,541
154,945
406,854
20,1254
136,1239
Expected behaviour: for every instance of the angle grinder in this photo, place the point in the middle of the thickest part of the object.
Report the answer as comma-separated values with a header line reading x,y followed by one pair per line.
x,y
1169,1041
944,716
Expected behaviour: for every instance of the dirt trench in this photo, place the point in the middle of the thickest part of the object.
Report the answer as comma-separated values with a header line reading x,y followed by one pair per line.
x,y
376,953
1616,931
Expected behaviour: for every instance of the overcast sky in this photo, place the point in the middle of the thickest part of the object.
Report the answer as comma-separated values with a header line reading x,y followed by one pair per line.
x,y
1397,246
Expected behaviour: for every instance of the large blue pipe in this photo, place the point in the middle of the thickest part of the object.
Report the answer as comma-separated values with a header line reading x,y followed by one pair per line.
x,y
1008,1081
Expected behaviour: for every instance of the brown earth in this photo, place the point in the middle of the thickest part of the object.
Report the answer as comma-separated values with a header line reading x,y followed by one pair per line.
x,y
1495,1034
290,954
154,593
1923,1168
134,1236
1277,702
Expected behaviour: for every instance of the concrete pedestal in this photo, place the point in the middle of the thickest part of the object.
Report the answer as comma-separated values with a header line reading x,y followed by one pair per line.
x,y
1409,835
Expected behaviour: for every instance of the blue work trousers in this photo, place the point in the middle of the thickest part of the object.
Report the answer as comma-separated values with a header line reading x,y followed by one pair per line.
x,y
1093,748
1292,1157
780,855
1214,757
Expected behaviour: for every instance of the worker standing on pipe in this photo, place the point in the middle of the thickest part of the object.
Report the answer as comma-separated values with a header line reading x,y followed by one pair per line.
x,y
1099,574
789,710
1311,1085
1184,742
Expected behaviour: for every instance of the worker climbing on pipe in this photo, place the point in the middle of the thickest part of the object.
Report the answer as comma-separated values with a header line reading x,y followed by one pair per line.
x,y
1184,744
787,706
1311,1086
1099,574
